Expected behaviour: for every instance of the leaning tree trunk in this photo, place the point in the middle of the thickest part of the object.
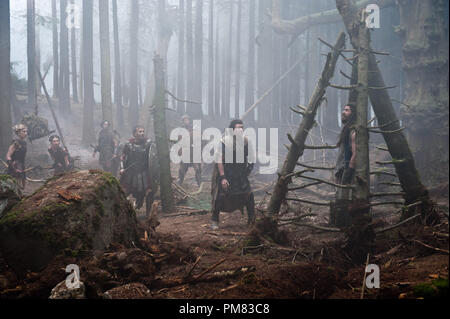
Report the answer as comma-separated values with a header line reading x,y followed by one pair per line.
x,y
105,57
5,78
298,142
55,50
397,144
31,54
424,32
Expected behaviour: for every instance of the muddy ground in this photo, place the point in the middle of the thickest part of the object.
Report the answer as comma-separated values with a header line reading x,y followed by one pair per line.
x,y
193,261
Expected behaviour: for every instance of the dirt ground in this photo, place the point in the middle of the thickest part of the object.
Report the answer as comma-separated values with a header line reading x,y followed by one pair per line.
x,y
226,263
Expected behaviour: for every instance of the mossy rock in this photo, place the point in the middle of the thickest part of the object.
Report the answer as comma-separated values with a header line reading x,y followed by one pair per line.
x,y
10,193
78,213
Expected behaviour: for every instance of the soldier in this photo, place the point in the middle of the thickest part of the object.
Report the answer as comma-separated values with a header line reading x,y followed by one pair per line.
x,y
59,155
135,175
15,157
230,187
107,144
185,166
345,167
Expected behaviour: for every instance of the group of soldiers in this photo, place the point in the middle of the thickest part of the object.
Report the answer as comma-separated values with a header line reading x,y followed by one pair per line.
x,y
132,161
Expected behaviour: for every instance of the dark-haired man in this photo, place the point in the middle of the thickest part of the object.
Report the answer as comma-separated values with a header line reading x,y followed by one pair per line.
x,y
135,176
230,188
59,155
345,167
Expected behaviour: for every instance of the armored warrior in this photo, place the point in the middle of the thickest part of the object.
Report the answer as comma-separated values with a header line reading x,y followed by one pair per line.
x,y
184,167
135,174
230,186
107,144
15,157
59,155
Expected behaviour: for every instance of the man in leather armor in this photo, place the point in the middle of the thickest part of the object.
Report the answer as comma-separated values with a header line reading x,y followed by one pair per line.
x,y
230,188
59,155
184,167
107,144
15,157
135,175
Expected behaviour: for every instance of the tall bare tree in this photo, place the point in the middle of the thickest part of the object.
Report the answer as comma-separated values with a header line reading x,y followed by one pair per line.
x,y
5,78
190,58
64,75
181,83
217,84
31,53
237,79
197,108
211,59
105,57
55,49
73,53
250,84
134,48
88,73
117,74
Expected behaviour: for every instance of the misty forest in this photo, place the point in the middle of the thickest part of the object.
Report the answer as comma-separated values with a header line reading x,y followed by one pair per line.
x,y
349,103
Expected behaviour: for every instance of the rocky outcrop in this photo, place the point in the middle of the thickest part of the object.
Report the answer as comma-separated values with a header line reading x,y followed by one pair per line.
x,y
76,214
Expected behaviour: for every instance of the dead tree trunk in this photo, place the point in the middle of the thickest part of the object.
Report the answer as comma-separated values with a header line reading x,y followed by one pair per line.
x,y
387,119
298,143
5,78
105,57
162,141
362,169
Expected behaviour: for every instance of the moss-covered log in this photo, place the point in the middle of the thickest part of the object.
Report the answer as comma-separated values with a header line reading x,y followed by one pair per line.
x,y
79,213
